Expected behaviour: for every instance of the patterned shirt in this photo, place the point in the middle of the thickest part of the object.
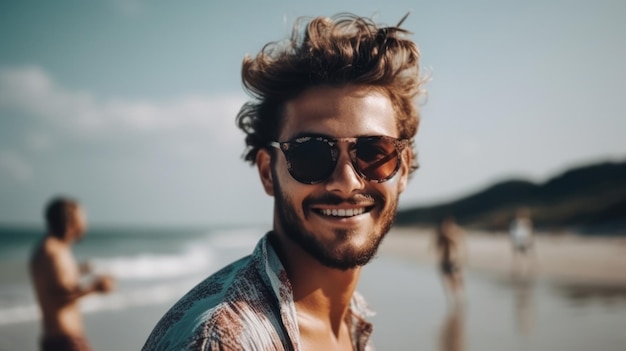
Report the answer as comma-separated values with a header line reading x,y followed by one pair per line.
x,y
247,305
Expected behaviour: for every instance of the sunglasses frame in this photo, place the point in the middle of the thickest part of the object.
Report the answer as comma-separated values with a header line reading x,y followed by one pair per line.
x,y
285,147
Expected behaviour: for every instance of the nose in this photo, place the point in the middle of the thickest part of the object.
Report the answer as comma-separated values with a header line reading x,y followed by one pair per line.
x,y
344,179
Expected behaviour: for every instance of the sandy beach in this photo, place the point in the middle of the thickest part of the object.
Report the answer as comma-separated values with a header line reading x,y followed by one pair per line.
x,y
559,256
574,300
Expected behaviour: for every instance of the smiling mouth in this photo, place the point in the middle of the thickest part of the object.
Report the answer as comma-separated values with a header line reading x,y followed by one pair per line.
x,y
342,212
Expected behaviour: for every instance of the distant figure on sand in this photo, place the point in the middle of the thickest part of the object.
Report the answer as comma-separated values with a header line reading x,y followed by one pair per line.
x,y
521,233
451,249
56,277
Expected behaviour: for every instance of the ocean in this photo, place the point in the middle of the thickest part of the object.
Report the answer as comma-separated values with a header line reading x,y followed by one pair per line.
x,y
155,267
151,266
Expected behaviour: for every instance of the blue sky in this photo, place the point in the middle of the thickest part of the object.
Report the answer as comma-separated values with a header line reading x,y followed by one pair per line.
x,y
129,105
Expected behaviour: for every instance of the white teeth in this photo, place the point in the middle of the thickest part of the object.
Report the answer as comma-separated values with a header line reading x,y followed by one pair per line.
x,y
342,212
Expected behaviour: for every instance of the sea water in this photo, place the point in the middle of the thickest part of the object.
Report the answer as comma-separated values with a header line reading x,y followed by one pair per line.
x,y
155,267
151,266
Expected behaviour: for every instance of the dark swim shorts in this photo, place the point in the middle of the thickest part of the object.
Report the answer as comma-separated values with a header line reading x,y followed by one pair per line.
x,y
448,268
64,343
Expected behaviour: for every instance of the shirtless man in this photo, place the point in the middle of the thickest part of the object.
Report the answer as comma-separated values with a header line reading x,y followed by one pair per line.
x,y
56,278
452,251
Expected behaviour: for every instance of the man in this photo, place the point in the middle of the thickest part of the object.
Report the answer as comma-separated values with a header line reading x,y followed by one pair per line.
x,y
331,132
521,234
56,277
452,251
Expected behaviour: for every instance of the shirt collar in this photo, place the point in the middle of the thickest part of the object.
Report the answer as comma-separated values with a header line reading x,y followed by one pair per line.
x,y
269,266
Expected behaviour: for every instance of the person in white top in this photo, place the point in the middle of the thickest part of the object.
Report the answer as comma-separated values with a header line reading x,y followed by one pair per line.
x,y
521,233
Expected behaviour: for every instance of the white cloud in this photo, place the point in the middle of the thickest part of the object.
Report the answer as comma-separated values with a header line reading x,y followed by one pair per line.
x,y
32,91
15,166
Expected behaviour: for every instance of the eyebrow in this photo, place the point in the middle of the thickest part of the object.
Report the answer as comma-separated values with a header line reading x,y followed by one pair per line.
x,y
310,135
328,136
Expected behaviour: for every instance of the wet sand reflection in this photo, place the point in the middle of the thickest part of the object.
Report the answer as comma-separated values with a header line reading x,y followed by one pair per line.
x,y
523,292
452,330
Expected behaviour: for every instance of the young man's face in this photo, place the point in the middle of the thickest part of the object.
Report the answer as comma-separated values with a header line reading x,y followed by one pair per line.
x,y
365,210
78,225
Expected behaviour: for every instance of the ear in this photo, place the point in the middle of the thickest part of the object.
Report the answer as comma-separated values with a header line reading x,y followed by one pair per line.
x,y
404,169
264,166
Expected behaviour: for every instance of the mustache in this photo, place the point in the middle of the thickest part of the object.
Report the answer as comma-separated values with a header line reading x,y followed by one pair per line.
x,y
334,199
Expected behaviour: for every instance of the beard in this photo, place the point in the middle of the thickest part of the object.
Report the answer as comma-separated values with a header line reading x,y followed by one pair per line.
x,y
338,253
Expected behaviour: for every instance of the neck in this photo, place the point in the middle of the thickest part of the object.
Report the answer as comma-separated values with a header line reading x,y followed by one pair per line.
x,y
61,240
319,292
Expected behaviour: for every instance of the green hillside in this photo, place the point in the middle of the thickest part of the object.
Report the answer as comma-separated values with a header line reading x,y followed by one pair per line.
x,y
590,199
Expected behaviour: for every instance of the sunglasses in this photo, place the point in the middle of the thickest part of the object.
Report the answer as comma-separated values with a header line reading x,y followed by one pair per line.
x,y
312,159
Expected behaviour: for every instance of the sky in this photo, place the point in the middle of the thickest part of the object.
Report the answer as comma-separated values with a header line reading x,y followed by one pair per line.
x,y
129,106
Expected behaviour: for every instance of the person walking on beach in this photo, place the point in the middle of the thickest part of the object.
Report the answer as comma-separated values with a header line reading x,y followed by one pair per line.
x,y
521,234
451,250
331,131
56,278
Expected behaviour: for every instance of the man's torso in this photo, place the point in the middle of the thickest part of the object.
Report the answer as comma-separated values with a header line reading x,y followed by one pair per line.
x,y
248,305
54,273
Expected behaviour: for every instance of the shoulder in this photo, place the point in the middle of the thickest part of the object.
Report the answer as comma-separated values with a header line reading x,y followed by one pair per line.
x,y
220,310
47,251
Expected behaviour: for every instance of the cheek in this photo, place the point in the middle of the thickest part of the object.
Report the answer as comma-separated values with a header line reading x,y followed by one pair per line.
x,y
388,192
393,186
290,191
398,183
393,182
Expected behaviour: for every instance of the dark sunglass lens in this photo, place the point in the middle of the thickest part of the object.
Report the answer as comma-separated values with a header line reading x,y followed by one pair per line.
x,y
310,161
377,158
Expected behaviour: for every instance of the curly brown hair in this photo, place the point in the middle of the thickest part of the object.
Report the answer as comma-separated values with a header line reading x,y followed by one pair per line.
x,y
344,49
